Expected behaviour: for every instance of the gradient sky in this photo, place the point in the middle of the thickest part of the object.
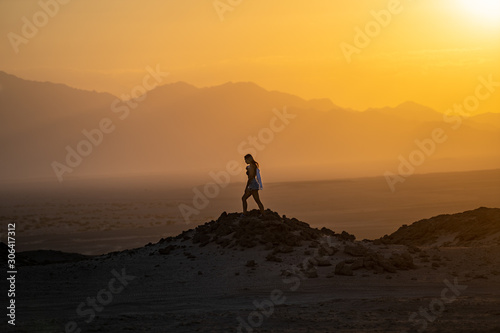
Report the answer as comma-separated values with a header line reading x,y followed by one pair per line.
x,y
430,52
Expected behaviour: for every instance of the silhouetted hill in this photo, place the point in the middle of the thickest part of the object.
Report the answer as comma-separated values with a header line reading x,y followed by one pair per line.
x,y
42,257
471,228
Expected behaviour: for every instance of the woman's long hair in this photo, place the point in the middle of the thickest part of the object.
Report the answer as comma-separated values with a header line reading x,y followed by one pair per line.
x,y
252,160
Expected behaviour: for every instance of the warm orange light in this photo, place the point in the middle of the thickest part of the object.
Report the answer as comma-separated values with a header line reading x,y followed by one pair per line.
x,y
488,11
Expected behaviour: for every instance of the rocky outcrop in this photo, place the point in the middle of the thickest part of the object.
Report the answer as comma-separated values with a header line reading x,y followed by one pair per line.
x,y
373,260
470,228
281,234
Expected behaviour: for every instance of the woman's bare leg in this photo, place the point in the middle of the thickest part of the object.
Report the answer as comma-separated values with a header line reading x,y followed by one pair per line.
x,y
256,197
244,198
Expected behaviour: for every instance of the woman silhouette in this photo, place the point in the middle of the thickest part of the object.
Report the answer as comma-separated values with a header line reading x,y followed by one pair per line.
x,y
254,184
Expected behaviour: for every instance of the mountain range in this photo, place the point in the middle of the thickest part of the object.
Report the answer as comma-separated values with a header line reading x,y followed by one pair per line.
x,y
182,131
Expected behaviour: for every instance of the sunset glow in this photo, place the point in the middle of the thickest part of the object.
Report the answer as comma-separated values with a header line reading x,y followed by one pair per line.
x,y
291,46
488,10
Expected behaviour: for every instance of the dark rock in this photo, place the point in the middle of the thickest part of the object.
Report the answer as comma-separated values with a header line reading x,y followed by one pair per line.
x,y
251,263
314,244
326,250
247,242
272,257
323,262
327,231
343,269
189,255
386,265
413,249
310,274
283,249
346,236
224,242
402,261
357,264
357,250
200,238
166,250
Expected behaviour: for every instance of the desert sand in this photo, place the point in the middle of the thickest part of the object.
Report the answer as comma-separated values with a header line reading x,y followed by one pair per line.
x,y
277,274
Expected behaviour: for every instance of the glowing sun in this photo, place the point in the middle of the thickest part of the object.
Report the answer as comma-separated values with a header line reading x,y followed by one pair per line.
x,y
484,10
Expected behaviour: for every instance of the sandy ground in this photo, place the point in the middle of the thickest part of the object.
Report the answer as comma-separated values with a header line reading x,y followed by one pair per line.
x,y
211,289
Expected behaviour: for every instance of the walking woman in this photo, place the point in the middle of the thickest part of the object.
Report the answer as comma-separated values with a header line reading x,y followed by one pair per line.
x,y
254,184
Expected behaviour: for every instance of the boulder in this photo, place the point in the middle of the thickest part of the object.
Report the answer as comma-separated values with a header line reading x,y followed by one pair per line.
x,y
356,250
322,262
343,269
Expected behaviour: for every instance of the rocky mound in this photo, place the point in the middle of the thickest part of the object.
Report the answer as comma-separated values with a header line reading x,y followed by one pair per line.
x,y
281,239
477,227
230,230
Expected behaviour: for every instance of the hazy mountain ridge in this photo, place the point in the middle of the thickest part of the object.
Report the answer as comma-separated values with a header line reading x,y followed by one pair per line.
x,y
27,105
179,127
409,111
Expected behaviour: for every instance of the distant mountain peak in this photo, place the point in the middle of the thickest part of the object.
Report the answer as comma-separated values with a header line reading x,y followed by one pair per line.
x,y
409,111
178,85
181,84
239,85
410,104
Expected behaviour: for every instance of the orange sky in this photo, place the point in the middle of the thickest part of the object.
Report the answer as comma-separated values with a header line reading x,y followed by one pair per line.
x,y
427,51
